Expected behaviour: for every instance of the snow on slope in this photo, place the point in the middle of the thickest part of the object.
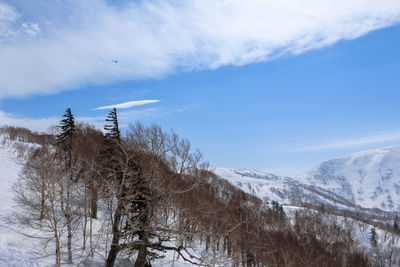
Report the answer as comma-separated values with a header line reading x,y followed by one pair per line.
x,y
285,190
263,185
14,250
368,178
23,247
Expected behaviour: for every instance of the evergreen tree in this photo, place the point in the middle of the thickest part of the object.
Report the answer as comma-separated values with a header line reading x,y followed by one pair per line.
x,y
65,142
67,126
110,161
112,130
373,237
133,196
111,153
112,141
395,226
282,213
275,206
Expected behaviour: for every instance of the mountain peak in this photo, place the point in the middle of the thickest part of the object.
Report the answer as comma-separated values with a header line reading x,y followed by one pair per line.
x,y
369,178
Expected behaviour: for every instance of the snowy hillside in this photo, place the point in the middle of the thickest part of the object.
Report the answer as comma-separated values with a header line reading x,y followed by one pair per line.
x,y
292,194
285,190
369,178
14,248
24,247
21,246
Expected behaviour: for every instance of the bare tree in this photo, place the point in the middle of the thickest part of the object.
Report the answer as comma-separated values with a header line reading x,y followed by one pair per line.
x,y
140,175
38,196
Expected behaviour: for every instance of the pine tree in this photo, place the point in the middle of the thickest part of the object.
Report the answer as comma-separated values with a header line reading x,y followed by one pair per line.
x,y
67,126
275,206
373,237
132,200
109,158
65,142
112,130
112,141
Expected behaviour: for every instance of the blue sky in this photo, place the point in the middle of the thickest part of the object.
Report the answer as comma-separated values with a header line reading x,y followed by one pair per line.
x,y
264,85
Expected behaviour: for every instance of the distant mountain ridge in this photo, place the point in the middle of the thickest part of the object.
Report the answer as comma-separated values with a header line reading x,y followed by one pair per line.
x,y
285,190
367,179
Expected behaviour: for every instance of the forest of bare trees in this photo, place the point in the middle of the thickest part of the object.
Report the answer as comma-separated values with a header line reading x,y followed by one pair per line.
x,y
131,197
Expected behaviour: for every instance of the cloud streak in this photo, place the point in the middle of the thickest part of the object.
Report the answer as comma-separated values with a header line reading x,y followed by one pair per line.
x,y
42,124
47,47
35,124
128,104
373,139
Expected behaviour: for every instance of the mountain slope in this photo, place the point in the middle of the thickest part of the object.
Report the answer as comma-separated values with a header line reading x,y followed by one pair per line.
x,y
368,178
14,248
25,247
285,190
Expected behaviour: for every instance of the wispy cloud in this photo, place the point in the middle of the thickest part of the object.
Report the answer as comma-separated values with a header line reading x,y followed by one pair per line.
x,y
343,144
128,104
7,16
126,117
65,44
42,124
35,124
7,13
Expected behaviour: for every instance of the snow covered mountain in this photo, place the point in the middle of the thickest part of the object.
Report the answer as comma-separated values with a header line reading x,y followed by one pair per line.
x,y
363,180
285,190
368,178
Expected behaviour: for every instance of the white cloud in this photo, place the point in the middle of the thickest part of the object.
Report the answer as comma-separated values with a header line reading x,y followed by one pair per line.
x,y
128,104
79,39
43,124
343,144
40,124
126,117
7,13
32,29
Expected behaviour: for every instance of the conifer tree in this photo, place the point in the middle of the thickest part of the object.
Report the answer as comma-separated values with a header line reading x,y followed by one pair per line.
x,y
373,237
109,158
67,126
112,141
65,142
112,130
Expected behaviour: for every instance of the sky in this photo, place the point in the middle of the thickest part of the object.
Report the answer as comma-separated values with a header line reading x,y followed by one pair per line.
x,y
277,86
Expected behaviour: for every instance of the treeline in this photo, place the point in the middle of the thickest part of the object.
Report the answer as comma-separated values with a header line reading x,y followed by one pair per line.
x,y
25,135
136,196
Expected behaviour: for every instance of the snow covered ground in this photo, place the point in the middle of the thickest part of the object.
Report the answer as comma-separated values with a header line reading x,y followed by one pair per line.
x,y
16,247
23,247
20,246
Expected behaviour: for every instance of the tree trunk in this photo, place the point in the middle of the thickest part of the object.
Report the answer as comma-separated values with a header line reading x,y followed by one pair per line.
x,y
58,252
112,255
90,236
69,230
142,257
42,201
85,220
57,238
93,199
143,233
